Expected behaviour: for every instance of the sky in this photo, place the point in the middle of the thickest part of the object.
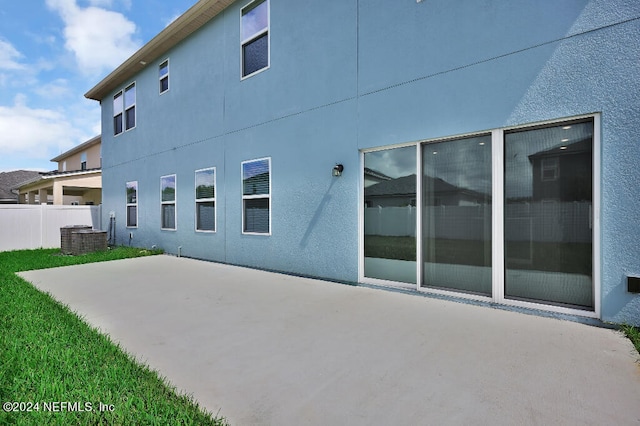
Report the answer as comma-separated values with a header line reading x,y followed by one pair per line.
x,y
51,53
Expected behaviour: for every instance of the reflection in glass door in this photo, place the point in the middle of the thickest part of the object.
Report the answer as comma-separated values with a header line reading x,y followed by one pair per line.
x,y
548,223
456,215
390,214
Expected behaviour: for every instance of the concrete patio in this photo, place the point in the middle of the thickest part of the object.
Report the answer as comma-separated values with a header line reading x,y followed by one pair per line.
x,y
272,349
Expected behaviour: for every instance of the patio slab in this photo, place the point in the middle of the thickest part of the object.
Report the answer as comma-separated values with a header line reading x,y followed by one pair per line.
x,y
263,348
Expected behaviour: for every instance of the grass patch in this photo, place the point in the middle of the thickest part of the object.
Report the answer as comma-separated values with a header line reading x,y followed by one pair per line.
x,y
633,333
48,355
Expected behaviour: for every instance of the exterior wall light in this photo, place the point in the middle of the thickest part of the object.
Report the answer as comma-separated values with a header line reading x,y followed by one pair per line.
x,y
337,170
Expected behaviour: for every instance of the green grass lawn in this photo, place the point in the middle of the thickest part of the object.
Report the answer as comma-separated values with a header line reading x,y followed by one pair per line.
x,y
50,357
633,333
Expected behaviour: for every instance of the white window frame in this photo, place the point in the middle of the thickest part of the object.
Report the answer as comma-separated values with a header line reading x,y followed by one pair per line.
x,y
206,200
125,109
83,161
253,197
174,203
162,77
254,36
128,204
498,262
119,102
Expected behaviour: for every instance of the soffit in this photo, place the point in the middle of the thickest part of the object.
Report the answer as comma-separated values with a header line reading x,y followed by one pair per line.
x,y
192,20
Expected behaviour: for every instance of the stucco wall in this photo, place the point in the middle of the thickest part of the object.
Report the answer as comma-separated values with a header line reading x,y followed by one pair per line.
x,y
351,75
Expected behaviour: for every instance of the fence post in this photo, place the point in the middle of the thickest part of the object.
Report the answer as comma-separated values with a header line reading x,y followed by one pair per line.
x,y
42,207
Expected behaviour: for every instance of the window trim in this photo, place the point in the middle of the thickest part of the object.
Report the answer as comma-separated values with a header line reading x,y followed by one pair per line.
x,y
255,36
254,197
128,204
205,200
162,77
174,203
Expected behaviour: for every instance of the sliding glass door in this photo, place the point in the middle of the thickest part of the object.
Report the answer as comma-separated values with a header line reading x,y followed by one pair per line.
x,y
548,208
456,215
506,216
390,214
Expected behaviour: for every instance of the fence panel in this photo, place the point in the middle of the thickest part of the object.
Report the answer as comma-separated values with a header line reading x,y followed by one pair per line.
x,y
34,226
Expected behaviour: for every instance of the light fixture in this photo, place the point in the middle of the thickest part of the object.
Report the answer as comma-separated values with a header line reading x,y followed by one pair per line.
x,y
566,127
143,63
563,147
337,170
481,144
564,140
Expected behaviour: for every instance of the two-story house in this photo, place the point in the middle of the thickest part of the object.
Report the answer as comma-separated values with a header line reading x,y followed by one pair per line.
x,y
77,181
246,132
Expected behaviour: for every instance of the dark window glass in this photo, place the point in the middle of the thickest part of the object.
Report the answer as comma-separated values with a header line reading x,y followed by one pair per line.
x,y
131,118
117,124
256,215
205,216
255,55
132,215
168,216
164,84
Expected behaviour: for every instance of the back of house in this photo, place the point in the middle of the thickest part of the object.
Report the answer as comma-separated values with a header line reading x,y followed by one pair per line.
x,y
486,150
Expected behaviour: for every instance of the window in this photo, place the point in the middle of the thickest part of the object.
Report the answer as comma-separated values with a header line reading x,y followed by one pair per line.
x,y
163,76
256,196
130,106
206,200
549,168
132,204
124,101
64,166
254,29
83,161
117,113
168,202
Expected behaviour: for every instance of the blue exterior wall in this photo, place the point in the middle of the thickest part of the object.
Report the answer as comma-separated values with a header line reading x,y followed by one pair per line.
x,y
350,75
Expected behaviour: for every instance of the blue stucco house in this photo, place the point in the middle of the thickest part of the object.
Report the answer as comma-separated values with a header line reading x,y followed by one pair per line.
x,y
484,150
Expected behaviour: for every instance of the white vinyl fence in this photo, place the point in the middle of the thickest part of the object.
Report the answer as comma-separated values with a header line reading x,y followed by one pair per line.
x,y
25,226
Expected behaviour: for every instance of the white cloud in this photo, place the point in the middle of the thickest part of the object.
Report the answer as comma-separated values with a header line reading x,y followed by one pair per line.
x,y
9,57
56,89
100,39
35,133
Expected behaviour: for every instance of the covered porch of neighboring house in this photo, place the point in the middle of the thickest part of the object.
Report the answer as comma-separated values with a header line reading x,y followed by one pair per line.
x,y
63,188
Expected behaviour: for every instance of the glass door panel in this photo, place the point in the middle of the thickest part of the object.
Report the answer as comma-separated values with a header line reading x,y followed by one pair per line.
x,y
390,214
456,216
548,224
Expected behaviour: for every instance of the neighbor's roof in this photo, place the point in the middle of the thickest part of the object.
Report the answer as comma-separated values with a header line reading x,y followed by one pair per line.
x,y
9,180
93,141
194,18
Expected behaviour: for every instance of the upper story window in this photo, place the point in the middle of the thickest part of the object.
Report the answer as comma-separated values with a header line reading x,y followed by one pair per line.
x,y
130,106
124,102
83,161
254,35
163,76
117,113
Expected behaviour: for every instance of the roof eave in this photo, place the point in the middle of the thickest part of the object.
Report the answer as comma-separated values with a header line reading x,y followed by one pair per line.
x,y
93,141
189,22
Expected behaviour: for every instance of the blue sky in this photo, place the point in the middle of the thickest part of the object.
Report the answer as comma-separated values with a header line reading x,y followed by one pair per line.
x,y
51,53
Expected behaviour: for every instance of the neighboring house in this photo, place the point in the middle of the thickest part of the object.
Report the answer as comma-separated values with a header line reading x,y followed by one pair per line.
x,y
9,180
78,180
458,93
